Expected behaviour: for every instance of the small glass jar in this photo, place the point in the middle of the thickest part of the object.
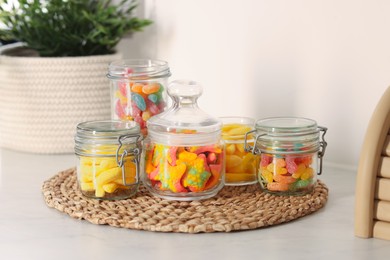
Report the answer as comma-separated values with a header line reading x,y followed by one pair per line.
x,y
138,89
184,157
108,155
241,165
291,151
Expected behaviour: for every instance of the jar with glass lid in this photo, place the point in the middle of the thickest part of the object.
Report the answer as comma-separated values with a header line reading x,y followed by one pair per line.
x,y
109,158
184,153
291,151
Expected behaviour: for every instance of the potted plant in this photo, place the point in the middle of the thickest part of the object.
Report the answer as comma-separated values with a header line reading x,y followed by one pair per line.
x,y
55,76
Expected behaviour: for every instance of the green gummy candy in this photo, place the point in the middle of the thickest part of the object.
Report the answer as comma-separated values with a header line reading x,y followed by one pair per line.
x,y
153,97
300,184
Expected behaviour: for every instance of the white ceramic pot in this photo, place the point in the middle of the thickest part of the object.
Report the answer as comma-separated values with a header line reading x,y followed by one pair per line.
x,y
42,99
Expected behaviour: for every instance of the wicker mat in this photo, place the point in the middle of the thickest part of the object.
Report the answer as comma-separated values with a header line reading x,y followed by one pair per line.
x,y
234,208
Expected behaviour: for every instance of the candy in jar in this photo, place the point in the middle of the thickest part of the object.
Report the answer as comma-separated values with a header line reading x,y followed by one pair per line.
x,y
138,89
184,154
109,154
291,151
241,165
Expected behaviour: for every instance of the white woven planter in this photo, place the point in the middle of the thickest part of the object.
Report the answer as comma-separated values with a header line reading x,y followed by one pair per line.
x,y
43,99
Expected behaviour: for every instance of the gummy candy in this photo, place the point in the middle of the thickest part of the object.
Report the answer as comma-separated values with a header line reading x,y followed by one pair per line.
x,y
103,175
286,173
184,169
151,88
240,165
137,101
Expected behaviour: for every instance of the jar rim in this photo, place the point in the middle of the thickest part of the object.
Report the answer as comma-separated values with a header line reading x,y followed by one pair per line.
x,y
107,128
236,120
280,126
138,69
101,138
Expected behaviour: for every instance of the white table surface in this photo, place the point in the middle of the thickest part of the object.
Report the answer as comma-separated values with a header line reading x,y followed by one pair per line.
x,y
31,230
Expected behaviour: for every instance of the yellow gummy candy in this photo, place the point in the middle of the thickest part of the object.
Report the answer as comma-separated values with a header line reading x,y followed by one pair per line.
x,y
248,159
236,169
87,186
238,177
110,187
230,148
250,168
185,156
104,178
227,127
268,176
233,161
271,167
242,130
108,176
307,174
280,170
300,170
108,164
241,148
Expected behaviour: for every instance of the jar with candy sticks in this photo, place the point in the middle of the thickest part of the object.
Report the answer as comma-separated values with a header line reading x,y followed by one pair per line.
x,y
184,153
138,89
241,165
109,158
291,151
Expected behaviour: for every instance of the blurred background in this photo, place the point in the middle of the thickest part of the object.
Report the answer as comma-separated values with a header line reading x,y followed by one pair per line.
x,y
326,60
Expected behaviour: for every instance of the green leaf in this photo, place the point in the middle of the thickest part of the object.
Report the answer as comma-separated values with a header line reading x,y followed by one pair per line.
x,y
69,28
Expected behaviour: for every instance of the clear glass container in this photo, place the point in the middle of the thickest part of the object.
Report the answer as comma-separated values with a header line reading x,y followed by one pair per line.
x,y
184,153
109,158
138,89
291,151
241,166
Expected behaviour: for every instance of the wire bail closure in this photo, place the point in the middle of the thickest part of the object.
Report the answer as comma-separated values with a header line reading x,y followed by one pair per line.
x,y
135,152
256,151
322,149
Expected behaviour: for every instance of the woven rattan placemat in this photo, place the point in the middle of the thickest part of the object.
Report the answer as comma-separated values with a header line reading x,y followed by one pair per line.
x,y
234,208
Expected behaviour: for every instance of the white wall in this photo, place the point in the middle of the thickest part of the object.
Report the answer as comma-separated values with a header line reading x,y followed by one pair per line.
x,y
328,60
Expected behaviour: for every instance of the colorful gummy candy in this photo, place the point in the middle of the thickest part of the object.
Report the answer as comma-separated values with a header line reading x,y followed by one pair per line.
x,y
184,169
101,175
291,173
240,165
138,101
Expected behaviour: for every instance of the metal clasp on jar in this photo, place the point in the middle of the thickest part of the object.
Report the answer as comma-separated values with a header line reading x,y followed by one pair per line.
x,y
322,149
135,152
253,149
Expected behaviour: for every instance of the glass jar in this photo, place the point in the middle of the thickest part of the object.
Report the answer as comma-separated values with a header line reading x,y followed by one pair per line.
x,y
291,151
184,157
138,89
108,155
241,165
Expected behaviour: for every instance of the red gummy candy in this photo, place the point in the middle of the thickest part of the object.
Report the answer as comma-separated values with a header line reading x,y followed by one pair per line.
x,y
265,160
215,175
154,110
119,110
291,166
211,158
135,112
172,153
122,86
